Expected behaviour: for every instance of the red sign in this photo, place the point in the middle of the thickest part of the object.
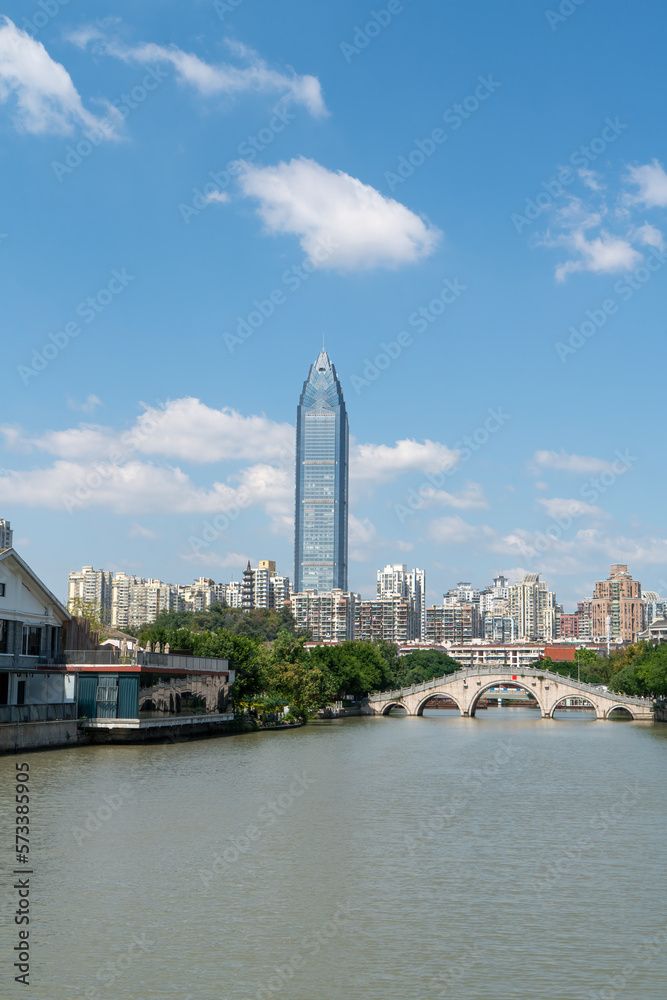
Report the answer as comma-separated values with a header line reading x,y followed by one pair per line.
x,y
513,677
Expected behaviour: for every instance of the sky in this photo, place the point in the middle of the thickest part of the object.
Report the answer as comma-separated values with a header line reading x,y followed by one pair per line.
x,y
468,201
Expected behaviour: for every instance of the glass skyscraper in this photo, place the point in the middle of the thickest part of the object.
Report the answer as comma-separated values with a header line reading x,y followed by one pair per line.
x,y
322,447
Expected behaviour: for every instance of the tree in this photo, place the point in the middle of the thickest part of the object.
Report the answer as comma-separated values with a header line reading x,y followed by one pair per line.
x,y
292,674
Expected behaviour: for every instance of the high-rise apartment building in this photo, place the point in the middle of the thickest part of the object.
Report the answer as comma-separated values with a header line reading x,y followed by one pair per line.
x,y
328,616
392,617
321,508
533,606
457,623
397,581
90,589
617,604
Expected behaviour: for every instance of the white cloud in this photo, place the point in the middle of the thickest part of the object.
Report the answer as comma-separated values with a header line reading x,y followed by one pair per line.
x,y
87,406
471,497
560,507
135,488
603,254
585,226
377,463
46,100
182,429
590,179
332,209
650,236
585,551
651,181
189,430
220,196
456,531
210,80
362,537
139,531
578,464
83,443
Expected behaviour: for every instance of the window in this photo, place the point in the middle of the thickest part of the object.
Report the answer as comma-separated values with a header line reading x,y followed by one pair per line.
x,y
32,638
4,636
2,590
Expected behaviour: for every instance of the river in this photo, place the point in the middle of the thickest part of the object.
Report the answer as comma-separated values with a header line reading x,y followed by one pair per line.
x,y
499,857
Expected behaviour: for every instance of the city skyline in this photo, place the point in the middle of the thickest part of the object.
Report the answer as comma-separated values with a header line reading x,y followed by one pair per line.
x,y
489,272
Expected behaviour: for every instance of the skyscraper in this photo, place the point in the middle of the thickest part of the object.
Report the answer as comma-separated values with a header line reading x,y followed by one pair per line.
x,y
322,446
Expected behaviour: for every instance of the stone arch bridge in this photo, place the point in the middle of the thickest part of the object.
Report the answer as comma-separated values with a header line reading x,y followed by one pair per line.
x,y
466,687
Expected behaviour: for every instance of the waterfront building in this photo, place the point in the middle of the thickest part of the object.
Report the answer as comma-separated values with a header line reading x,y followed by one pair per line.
x,y
149,696
330,615
617,609
37,704
321,495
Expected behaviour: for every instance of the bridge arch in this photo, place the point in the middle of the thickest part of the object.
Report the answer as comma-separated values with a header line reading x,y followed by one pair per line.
x,y
599,713
504,680
394,704
621,710
443,694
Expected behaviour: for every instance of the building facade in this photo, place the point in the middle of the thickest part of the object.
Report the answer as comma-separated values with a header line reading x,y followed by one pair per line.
x,y
392,618
321,495
37,703
90,589
617,609
329,616
397,581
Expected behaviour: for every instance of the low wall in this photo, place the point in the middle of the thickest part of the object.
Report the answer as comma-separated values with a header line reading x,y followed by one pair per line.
x,y
17,736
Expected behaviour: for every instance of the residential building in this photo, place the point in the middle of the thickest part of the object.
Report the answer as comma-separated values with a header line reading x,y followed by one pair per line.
x,y
617,609
397,581
329,615
503,656
457,623
393,618
584,614
569,626
463,593
90,590
534,607
321,497
654,606
499,628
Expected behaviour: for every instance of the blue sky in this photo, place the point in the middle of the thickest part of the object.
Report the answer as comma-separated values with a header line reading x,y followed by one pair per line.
x,y
478,187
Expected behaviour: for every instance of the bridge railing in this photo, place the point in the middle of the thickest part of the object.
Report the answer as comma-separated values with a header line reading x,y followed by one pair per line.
x,y
509,673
